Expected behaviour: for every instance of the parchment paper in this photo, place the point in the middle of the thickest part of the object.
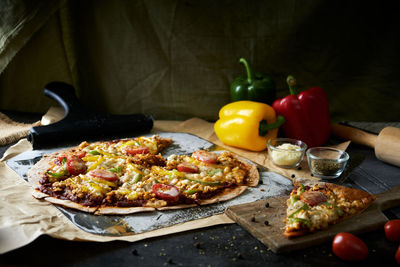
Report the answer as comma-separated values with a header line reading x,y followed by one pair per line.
x,y
23,218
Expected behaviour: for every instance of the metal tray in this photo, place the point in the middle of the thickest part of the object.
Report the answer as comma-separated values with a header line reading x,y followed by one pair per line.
x,y
272,184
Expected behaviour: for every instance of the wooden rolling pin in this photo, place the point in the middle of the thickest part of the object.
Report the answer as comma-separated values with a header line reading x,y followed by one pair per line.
x,y
386,144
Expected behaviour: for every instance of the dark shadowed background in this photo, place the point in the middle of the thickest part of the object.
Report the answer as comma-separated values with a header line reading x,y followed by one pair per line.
x,y
176,59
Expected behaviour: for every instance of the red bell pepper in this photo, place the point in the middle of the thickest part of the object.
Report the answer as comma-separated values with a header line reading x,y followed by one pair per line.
x,y
307,114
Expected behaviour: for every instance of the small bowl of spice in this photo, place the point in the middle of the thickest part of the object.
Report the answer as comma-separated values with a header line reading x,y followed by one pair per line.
x,y
327,162
286,152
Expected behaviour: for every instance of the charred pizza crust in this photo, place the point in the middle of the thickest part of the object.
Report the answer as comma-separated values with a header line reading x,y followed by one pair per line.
x,y
314,205
224,195
57,190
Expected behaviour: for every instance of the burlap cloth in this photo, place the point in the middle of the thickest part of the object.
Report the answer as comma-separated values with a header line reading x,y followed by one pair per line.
x,y
24,218
11,131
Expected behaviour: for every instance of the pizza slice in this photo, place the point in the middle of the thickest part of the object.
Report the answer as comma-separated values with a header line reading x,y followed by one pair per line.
x,y
206,177
314,205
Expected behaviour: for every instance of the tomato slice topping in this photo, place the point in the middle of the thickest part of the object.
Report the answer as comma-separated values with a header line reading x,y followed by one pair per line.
x,y
61,158
75,165
133,150
313,198
205,156
166,192
187,167
80,153
104,174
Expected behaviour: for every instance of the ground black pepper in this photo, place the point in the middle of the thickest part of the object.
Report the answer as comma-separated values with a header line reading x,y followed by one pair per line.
x,y
326,166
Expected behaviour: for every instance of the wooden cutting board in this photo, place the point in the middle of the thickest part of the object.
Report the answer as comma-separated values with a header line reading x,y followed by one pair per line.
x,y
253,217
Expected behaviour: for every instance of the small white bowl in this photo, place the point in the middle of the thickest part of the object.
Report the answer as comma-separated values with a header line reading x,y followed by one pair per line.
x,y
327,162
286,152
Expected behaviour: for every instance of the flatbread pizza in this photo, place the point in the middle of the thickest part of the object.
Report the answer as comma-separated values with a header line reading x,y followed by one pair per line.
x,y
130,175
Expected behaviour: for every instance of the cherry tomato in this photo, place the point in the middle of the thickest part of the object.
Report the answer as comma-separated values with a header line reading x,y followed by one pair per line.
x,y
392,230
75,165
205,156
397,255
166,192
187,167
348,247
133,150
104,174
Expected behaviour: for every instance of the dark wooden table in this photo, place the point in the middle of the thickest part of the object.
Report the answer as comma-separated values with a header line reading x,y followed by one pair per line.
x,y
224,245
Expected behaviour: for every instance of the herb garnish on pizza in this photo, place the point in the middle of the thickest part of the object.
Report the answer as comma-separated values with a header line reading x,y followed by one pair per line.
x,y
314,205
130,175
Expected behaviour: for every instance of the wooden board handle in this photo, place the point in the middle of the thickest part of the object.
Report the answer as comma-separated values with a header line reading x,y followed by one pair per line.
x,y
389,199
355,135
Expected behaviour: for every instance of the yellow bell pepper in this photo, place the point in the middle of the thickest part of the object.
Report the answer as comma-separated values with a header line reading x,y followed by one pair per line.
x,y
97,163
247,124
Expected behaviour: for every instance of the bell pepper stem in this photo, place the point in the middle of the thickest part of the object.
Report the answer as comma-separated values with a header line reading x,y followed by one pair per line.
x,y
265,127
248,70
292,83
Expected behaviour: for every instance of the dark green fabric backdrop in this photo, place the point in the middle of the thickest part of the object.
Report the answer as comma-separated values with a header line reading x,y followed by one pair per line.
x,y
175,59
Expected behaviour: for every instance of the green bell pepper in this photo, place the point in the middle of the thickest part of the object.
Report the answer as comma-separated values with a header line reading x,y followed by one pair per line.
x,y
294,198
94,152
304,207
301,220
117,169
61,173
216,183
191,191
57,174
258,87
